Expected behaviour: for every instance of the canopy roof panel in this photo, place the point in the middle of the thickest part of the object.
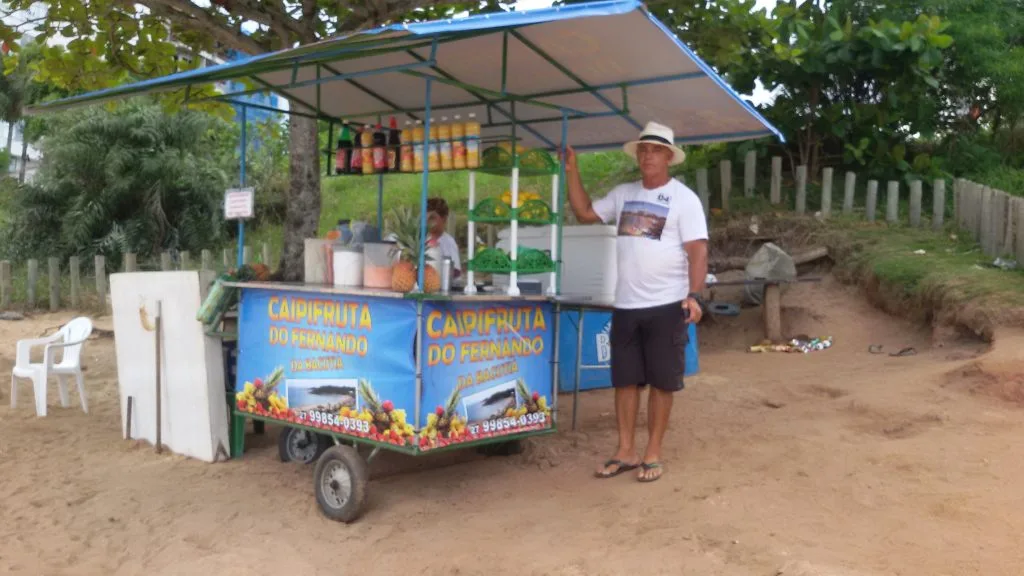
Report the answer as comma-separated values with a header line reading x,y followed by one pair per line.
x,y
608,67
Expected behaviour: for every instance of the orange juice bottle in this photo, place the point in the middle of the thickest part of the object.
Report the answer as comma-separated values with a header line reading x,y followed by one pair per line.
x,y
458,144
367,139
407,160
418,151
472,142
444,134
434,150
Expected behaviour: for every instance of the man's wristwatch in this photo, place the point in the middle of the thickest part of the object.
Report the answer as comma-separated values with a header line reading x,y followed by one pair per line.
x,y
696,298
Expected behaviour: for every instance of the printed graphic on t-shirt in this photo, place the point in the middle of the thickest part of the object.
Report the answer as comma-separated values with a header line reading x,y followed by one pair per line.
x,y
642,220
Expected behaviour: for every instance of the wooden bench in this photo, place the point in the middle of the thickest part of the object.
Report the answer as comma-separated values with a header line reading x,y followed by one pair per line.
x,y
771,304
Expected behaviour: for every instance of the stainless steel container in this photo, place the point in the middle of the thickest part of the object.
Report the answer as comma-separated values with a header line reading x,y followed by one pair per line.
x,y
446,275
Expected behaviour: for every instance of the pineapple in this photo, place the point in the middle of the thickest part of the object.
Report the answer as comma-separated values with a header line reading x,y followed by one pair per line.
x,y
405,224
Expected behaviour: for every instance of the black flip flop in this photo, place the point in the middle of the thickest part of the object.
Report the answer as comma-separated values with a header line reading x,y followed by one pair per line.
x,y
622,467
648,467
908,351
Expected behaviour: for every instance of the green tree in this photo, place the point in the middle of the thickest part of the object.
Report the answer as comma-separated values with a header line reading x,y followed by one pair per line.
x,y
135,179
114,40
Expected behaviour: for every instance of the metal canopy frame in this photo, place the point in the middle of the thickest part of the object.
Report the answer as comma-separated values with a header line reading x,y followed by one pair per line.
x,y
404,44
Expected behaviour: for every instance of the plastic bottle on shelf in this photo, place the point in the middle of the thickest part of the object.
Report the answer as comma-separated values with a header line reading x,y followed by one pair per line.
x,y
472,142
434,154
394,146
380,150
355,165
367,139
418,150
444,134
458,144
344,153
407,158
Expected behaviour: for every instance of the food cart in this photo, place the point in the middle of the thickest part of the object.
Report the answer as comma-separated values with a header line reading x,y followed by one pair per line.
x,y
421,372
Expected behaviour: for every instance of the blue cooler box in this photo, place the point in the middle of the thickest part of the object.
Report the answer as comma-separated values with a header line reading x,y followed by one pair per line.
x,y
597,351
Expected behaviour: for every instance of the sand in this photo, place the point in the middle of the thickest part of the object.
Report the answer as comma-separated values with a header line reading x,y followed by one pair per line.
x,y
834,463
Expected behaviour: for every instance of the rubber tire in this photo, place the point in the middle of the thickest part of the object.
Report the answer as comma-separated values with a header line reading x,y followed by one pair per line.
x,y
359,473
284,437
510,448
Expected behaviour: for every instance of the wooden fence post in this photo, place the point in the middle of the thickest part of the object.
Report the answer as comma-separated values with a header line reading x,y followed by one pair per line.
x,y
725,169
1009,211
892,202
938,204
826,192
703,190
801,189
186,260
749,173
915,203
266,253
998,221
1020,229
54,273
226,257
100,264
985,221
6,284
871,203
33,278
131,263
246,255
207,260
775,195
74,269
849,190
165,261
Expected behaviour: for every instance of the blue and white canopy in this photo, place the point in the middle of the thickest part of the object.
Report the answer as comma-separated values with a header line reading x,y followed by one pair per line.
x,y
608,67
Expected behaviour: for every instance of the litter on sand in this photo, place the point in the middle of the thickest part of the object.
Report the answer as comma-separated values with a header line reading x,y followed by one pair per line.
x,y
796,345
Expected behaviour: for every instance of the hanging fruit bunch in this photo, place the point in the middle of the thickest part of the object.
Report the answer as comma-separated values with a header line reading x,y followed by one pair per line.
x,y
387,424
444,426
261,397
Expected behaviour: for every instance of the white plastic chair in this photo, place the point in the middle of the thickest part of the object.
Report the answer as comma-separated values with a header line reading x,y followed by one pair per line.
x,y
68,339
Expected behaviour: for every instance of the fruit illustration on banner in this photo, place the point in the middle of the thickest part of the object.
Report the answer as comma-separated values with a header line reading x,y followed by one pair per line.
x,y
261,397
444,426
387,424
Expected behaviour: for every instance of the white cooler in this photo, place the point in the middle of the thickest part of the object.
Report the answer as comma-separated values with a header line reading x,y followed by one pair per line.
x,y
588,257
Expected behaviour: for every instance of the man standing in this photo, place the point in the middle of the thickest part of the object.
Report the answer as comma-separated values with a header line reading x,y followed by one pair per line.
x,y
661,253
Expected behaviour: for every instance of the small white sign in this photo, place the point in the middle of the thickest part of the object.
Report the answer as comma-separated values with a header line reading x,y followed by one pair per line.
x,y
239,203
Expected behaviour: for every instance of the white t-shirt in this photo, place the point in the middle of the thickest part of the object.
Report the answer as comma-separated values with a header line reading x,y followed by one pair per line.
x,y
653,269
450,249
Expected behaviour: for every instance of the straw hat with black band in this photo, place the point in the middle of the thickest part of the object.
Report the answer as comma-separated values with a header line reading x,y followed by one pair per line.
x,y
661,135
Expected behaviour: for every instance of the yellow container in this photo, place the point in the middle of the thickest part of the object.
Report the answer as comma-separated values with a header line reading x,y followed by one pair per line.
x,y
367,140
434,154
444,134
407,159
417,147
458,144
472,142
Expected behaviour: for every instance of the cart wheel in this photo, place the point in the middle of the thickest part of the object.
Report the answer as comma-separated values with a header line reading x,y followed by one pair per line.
x,y
339,482
510,448
300,445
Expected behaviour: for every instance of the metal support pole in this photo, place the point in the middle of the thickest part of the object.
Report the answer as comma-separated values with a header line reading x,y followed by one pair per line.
x,y
380,203
423,200
471,233
555,372
241,183
559,217
419,362
579,365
